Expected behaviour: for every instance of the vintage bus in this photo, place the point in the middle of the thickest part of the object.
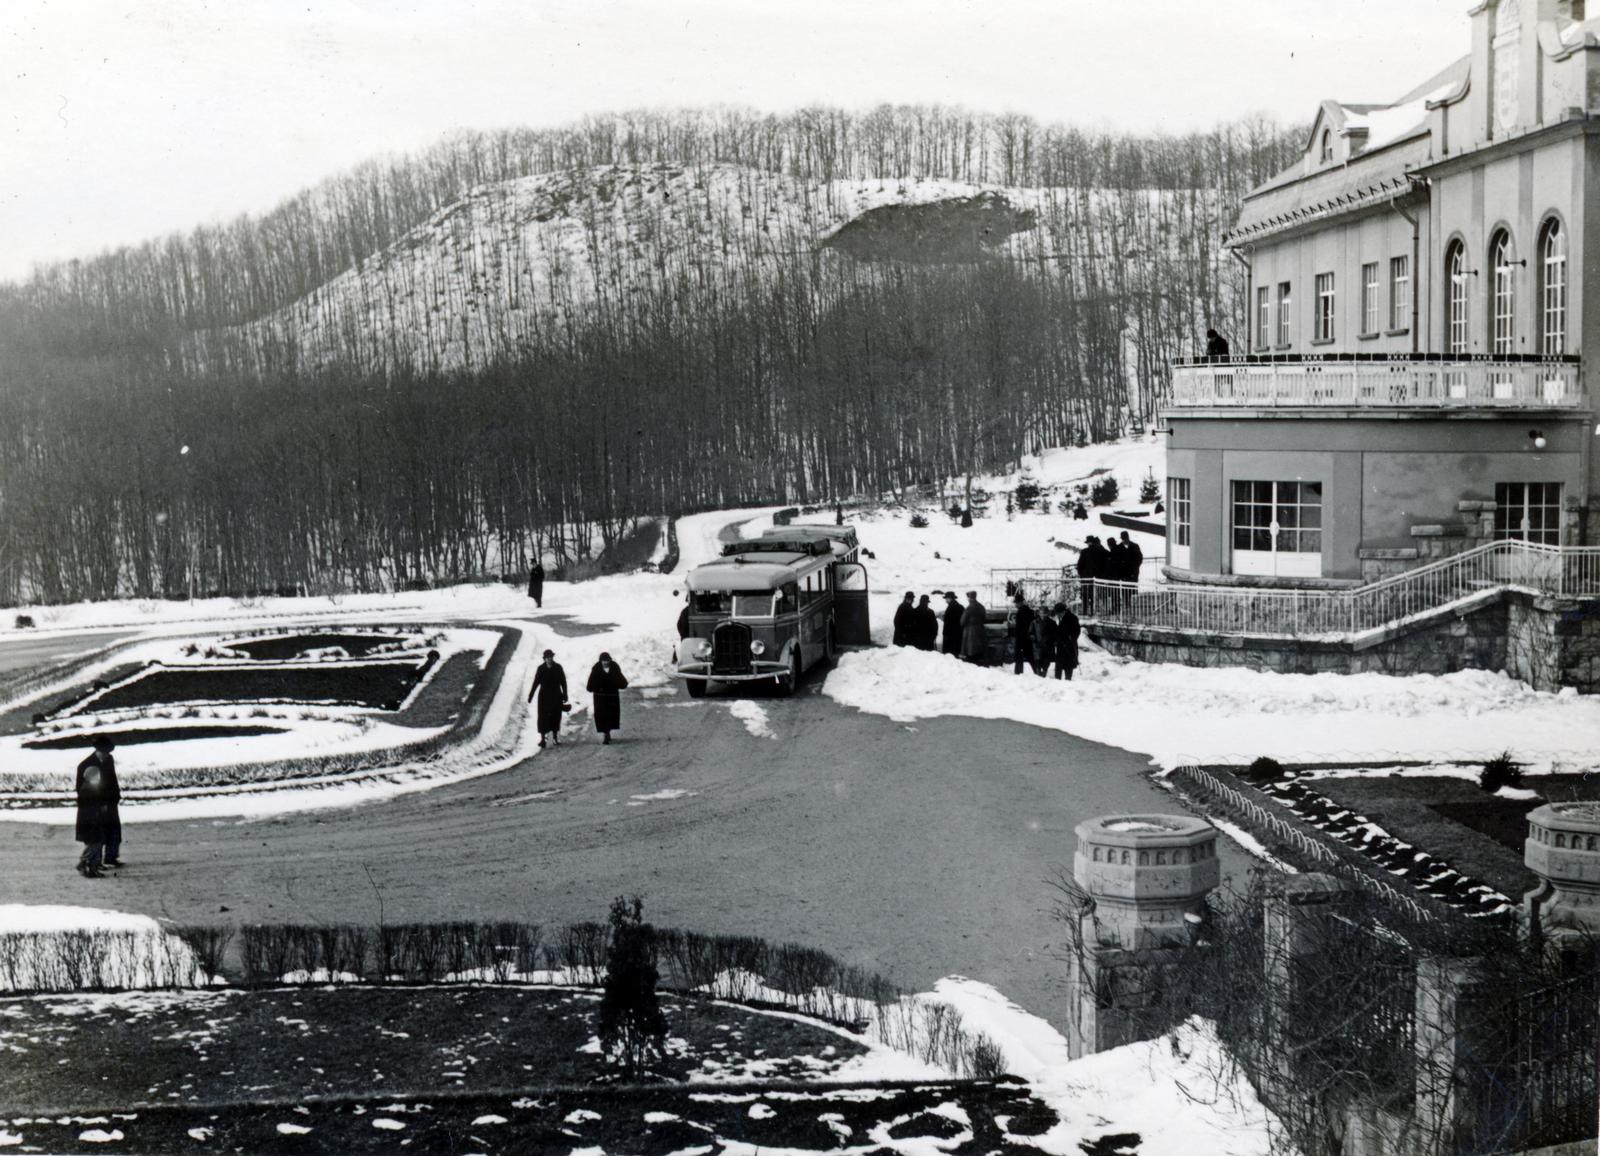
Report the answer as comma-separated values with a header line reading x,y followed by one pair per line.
x,y
773,607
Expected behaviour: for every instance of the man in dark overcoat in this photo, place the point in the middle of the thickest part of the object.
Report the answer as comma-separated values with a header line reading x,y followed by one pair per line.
x,y
975,631
1067,630
99,826
1019,625
905,620
606,681
1091,565
536,584
550,684
952,623
927,622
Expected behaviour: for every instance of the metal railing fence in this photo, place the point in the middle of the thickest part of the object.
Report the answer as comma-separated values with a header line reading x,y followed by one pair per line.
x,y
1432,383
1561,571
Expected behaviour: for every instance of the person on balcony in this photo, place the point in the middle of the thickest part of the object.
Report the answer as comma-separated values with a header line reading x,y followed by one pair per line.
x,y
1093,560
1216,345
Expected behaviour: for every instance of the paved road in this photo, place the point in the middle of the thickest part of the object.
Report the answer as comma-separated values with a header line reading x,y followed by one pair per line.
x,y
920,851
19,653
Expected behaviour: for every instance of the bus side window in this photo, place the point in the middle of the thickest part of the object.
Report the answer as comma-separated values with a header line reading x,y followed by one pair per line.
x,y
787,597
812,589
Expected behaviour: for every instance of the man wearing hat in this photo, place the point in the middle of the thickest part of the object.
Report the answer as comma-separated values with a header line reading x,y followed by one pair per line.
x,y
99,827
550,684
606,681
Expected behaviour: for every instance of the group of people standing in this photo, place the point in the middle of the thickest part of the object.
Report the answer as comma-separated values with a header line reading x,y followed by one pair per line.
x,y
606,682
1116,561
1039,641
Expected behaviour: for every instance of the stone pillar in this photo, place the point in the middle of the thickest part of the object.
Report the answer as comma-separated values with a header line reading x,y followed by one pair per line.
x,y
1563,849
1443,1035
1290,934
1146,878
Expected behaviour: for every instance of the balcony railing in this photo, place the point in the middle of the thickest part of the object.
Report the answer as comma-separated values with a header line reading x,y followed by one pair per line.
x,y
1352,380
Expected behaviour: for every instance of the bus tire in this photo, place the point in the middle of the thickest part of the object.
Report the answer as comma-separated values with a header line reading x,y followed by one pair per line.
x,y
696,687
789,683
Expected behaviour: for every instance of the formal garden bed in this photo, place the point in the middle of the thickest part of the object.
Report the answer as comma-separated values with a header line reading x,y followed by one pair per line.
x,y
204,717
1430,830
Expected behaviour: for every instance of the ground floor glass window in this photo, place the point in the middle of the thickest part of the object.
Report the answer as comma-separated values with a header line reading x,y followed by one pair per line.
x,y
1179,522
1277,528
1528,512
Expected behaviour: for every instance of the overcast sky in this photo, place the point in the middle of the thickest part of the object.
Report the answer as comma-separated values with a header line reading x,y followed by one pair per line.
x,y
124,121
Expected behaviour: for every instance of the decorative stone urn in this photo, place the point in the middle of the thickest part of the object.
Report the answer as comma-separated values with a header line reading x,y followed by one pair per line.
x,y
1148,875
1563,849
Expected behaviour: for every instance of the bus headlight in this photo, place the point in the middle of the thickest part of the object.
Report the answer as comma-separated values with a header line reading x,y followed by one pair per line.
x,y
758,648
703,650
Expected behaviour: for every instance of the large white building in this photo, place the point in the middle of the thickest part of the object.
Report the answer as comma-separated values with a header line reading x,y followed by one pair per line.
x,y
1413,380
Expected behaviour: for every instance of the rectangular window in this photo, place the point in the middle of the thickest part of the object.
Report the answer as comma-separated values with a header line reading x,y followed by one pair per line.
x,y
1180,512
1277,528
1324,327
1263,318
1400,293
1285,301
1369,298
1528,512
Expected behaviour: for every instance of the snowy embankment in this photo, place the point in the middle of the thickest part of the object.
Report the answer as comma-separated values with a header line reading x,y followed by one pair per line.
x,y
1179,714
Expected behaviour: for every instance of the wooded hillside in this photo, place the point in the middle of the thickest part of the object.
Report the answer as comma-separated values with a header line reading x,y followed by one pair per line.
x,y
431,365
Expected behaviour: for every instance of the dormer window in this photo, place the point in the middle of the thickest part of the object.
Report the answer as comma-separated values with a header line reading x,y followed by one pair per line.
x,y
1327,146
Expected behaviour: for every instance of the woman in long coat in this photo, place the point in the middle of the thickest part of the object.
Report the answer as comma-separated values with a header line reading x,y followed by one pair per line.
x,y
975,631
550,684
97,821
605,681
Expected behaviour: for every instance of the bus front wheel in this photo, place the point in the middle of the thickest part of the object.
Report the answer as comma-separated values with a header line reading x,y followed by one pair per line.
x,y
789,683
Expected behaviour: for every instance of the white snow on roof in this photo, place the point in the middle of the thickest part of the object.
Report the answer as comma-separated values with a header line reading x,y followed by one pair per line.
x,y
1386,125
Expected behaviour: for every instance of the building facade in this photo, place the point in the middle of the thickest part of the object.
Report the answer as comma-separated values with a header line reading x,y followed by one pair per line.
x,y
1413,380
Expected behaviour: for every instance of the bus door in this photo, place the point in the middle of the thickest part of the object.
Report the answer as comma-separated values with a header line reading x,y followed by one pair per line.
x,y
852,625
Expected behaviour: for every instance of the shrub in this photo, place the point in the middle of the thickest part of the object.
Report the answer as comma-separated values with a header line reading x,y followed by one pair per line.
x,y
1027,493
24,621
1149,488
919,521
633,1031
1103,492
1264,770
1500,771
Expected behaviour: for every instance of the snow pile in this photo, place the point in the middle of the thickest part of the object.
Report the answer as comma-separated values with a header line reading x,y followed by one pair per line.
x,y
1181,1094
1180,714
754,717
61,948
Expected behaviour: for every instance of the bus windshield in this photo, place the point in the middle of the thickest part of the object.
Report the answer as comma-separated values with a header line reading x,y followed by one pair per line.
x,y
753,605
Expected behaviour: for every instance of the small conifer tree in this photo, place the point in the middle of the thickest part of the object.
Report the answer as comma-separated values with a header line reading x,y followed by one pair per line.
x,y
633,1031
1149,488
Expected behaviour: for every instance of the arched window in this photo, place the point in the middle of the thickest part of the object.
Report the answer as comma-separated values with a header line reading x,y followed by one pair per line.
x,y
1455,267
1327,146
1552,289
1502,303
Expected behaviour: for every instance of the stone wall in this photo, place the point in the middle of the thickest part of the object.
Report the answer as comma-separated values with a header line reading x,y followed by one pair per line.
x,y
1547,642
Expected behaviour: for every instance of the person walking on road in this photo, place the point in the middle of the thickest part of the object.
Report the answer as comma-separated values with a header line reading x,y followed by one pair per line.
x,y
606,681
975,631
952,624
550,684
927,623
536,584
1067,630
98,824
1019,625
905,619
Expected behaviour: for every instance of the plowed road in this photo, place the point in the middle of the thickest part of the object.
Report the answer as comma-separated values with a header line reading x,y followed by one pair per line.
x,y
918,851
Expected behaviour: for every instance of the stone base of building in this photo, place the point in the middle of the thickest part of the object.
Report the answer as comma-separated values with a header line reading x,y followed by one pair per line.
x,y
1547,642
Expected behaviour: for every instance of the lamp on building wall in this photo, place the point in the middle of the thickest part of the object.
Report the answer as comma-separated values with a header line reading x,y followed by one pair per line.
x,y
1537,438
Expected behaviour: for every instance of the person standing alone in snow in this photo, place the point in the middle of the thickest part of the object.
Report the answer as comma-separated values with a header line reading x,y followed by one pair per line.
x,y
550,684
98,825
605,682
536,584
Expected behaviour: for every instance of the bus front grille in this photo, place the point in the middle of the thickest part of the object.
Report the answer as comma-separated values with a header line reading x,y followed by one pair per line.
x,y
730,649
